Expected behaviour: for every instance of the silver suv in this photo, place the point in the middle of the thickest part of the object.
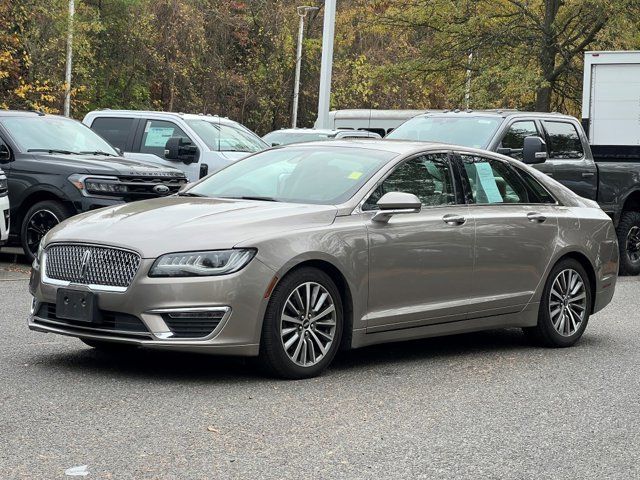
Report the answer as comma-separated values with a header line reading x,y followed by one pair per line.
x,y
196,144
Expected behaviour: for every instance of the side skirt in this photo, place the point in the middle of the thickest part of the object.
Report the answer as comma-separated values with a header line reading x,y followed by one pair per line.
x,y
526,318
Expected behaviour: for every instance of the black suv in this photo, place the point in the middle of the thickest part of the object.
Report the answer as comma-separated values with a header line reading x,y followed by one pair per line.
x,y
57,167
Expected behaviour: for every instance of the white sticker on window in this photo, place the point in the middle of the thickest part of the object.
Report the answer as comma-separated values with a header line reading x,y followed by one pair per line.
x,y
488,191
158,136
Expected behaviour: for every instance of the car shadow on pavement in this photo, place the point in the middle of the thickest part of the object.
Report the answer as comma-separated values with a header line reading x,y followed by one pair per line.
x,y
192,367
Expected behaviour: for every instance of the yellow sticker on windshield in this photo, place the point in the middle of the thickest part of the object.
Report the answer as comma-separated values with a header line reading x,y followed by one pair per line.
x,y
355,175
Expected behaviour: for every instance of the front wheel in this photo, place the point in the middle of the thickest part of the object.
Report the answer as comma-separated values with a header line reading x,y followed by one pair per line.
x,y
38,220
565,306
302,325
629,243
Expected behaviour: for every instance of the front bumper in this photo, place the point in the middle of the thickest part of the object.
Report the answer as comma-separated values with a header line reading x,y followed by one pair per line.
x,y
239,298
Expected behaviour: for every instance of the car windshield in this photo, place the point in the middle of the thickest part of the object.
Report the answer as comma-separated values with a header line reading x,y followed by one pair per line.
x,y
466,131
286,138
226,138
56,134
325,176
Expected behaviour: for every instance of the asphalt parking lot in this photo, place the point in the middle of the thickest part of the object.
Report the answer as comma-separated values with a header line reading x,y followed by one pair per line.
x,y
484,405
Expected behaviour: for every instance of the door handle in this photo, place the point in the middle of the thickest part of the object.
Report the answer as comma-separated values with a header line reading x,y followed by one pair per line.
x,y
454,219
536,217
588,174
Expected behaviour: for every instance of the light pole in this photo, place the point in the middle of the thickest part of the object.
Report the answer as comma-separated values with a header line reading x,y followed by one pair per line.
x,y
67,75
328,31
302,13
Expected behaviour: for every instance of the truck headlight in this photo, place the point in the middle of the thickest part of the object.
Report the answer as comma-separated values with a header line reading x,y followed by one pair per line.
x,y
98,185
202,264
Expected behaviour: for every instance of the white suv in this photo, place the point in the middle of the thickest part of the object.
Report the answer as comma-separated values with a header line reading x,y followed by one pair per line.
x,y
4,209
196,144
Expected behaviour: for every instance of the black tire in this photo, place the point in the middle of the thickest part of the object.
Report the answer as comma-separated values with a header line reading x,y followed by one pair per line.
x,y
38,220
273,356
544,333
629,243
108,347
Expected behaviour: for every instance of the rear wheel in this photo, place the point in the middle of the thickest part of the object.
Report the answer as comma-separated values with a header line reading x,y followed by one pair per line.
x,y
629,243
38,220
302,326
565,306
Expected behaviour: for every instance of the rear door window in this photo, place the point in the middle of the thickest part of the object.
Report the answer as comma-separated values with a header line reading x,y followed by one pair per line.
x,y
493,181
563,140
116,131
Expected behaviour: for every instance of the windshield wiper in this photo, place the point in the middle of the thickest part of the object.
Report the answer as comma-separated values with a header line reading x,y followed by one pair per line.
x,y
189,194
100,152
248,197
52,150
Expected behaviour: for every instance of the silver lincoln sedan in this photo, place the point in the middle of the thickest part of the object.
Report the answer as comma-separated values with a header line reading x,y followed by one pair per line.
x,y
296,252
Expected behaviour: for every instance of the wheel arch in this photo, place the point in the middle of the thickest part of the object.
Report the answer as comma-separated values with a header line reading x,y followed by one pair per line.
x,y
39,196
584,261
631,202
343,287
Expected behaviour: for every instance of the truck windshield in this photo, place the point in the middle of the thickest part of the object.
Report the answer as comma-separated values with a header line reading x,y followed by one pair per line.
x,y
226,138
56,135
315,175
468,131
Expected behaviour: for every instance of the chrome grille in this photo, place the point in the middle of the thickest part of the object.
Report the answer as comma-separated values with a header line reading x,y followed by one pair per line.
x,y
91,265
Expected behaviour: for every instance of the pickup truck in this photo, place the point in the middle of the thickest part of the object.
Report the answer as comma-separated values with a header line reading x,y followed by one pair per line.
x,y
554,144
56,167
196,144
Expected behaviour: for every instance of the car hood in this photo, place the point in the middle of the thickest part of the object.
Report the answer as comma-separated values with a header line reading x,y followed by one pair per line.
x,y
233,156
177,224
104,165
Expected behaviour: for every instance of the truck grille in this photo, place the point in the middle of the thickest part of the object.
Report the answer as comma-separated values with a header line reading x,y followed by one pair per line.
x,y
146,187
91,265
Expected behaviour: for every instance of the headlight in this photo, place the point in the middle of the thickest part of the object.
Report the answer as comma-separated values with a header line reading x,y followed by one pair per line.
x,y
98,185
4,184
201,264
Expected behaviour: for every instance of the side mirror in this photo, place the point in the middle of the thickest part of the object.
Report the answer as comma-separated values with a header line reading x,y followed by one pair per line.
x,y
5,154
118,150
396,203
534,151
181,150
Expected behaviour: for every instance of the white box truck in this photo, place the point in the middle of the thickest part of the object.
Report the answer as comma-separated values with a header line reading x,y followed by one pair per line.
x,y
611,104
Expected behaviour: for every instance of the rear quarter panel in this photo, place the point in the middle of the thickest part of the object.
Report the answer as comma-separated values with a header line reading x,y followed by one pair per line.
x,y
617,181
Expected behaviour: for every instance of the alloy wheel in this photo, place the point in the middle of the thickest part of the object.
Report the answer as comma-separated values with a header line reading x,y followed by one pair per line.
x,y
308,324
40,222
633,244
567,302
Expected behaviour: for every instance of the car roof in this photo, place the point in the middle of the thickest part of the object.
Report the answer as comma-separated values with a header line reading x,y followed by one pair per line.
x,y
399,147
498,112
24,113
107,112
319,131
